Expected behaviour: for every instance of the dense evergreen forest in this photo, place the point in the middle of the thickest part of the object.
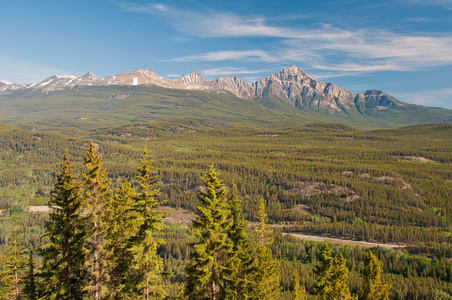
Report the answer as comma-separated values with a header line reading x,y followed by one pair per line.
x,y
388,186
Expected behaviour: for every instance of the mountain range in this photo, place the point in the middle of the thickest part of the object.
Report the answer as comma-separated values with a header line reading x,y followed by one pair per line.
x,y
290,84
289,90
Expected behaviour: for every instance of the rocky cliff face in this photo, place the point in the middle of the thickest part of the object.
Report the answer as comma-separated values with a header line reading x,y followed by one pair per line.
x,y
290,84
233,85
298,88
376,99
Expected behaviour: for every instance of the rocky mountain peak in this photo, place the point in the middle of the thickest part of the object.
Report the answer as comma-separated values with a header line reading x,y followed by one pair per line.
x,y
90,75
233,85
194,74
192,79
294,70
291,84
376,98
145,72
292,74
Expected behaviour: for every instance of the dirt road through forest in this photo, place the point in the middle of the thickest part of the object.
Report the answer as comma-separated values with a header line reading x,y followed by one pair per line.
x,y
343,241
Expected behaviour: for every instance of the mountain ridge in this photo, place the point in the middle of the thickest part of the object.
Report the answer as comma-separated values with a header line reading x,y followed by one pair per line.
x,y
291,84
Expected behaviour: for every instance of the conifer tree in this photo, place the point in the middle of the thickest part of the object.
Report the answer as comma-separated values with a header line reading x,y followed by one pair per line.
x,y
339,277
323,270
96,199
147,265
30,286
209,254
373,286
264,234
333,276
240,282
64,255
11,277
267,269
121,226
298,293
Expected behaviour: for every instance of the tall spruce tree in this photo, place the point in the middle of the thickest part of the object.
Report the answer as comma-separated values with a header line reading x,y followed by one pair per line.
x,y
97,195
339,277
11,286
209,254
30,290
373,286
64,255
240,281
267,269
323,270
147,266
121,226
333,275
298,293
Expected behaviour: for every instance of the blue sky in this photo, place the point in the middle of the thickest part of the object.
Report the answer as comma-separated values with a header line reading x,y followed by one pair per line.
x,y
403,47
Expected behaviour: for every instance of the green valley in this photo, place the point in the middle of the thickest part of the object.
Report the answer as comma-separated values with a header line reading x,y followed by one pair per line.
x,y
348,177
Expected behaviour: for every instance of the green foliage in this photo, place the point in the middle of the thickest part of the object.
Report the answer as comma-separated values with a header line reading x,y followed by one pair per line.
x,y
332,276
373,286
101,244
298,293
375,184
64,256
122,225
96,201
240,280
90,107
147,265
30,281
267,269
339,277
263,233
10,278
209,254
324,271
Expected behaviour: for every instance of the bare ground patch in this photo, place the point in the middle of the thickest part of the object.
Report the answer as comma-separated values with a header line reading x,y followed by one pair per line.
x,y
310,188
304,209
177,215
38,208
381,179
413,159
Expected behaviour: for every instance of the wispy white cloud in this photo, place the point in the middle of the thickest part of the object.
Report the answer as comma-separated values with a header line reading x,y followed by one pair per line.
x,y
328,75
229,71
229,55
211,24
447,4
148,8
324,47
369,50
438,98
161,7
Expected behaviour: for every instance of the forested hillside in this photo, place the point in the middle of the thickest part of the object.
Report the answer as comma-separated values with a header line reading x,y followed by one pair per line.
x,y
88,107
387,186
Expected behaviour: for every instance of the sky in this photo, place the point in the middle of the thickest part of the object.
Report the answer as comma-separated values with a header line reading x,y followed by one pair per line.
x,y
402,47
